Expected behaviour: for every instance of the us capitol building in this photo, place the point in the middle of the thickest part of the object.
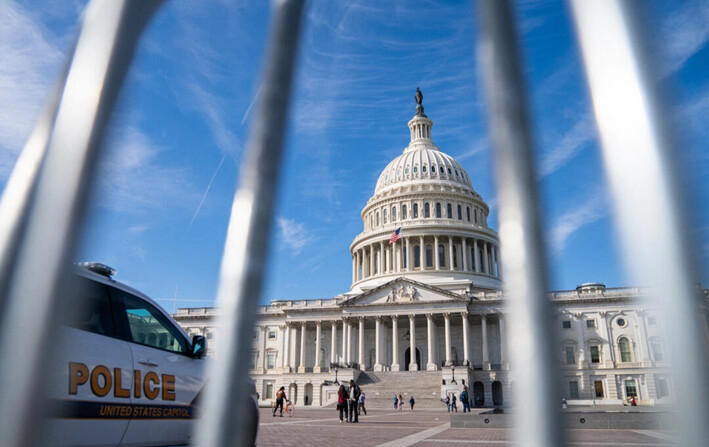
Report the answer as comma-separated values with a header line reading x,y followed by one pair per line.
x,y
425,313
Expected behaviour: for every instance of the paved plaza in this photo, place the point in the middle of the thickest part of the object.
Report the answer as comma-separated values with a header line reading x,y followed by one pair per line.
x,y
430,428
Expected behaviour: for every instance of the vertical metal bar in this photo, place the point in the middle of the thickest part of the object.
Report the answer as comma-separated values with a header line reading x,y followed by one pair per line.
x,y
37,262
224,420
639,161
535,390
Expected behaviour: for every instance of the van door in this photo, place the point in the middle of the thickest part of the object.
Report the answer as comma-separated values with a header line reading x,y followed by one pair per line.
x,y
90,368
167,378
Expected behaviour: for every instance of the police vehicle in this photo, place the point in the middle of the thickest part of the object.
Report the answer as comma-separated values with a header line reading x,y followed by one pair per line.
x,y
126,374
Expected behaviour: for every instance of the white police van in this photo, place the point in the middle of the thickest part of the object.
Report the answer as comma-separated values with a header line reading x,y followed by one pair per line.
x,y
126,374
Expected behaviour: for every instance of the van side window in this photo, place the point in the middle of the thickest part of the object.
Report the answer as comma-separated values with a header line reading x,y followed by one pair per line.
x,y
92,312
148,326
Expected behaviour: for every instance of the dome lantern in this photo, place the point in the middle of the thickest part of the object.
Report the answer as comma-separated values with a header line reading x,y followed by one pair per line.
x,y
420,125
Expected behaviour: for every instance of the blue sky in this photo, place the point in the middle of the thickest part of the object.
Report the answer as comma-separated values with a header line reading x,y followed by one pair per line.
x,y
169,172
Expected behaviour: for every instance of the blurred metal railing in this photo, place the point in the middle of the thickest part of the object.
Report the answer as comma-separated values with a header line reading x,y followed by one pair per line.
x,y
44,202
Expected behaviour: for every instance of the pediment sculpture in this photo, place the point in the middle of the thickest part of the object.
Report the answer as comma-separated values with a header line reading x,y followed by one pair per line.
x,y
404,293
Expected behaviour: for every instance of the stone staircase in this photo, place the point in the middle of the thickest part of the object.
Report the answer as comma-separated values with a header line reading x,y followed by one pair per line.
x,y
380,388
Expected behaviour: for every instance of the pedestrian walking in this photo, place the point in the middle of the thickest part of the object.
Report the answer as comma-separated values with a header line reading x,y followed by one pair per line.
x,y
396,402
280,396
354,399
342,398
465,400
412,402
454,406
448,403
401,403
360,404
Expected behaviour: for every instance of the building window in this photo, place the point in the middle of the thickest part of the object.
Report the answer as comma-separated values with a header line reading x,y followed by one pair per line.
x,y
254,358
385,216
393,214
438,210
271,335
631,388
625,352
416,210
442,255
621,322
460,213
404,213
570,355
429,256
598,388
573,390
417,256
472,258
595,354
269,391
467,212
658,353
416,169
270,360
591,324
255,335
449,210
377,221
423,169
455,256
426,210
475,215
661,387
566,324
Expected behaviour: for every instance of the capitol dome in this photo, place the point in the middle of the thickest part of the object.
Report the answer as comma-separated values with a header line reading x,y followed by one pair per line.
x,y
445,240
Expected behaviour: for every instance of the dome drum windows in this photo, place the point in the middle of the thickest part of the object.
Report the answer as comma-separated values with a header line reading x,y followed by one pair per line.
x,y
423,169
449,209
426,210
438,210
385,215
416,169
460,213
467,211
404,212
415,211
393,214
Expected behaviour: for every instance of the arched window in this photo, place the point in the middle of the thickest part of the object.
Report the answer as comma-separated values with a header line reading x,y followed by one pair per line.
x,y
460,213
417,256
416,211
404,212
393,214
438,210
449,208
385,215
423,169
442,255
626,355
416,169
475,214
467,210
377,218
426,210
429,255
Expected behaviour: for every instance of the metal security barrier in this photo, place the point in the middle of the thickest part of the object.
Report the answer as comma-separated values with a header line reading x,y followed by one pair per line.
x,y
44,201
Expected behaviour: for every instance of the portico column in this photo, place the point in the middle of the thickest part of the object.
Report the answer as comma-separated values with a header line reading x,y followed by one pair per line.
x,y
350,337
422,254
377,342
294,346
466,337
301,364
365,263
431,365
413,366
503,360
286,348
450,252
465,256
435,253
486,262
318,328
486,352
447,319
360,360
394,343
343,357
263,350
333,343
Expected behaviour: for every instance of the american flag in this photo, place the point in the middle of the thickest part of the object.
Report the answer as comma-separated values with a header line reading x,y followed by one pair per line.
x,y
395,236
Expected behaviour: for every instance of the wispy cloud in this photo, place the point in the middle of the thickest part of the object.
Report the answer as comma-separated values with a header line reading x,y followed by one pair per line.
x,y
568,146
681,34
588,212
30,62
294,234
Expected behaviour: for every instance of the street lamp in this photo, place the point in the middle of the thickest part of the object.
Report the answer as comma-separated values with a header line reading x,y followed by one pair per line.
x,y
335,366
453,382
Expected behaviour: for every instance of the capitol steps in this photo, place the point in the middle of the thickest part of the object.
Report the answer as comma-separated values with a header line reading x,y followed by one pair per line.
x,y
380,388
